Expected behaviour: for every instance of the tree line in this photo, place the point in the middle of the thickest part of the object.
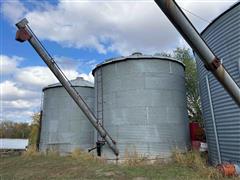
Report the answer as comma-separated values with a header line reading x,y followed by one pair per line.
x,y
20,130
9,129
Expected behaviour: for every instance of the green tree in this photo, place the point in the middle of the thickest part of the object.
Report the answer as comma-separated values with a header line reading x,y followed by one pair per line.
x,y
193,98
9,129
35,130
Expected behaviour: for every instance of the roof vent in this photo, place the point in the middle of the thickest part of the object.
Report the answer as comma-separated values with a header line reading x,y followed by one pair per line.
x,y
80,78
137,54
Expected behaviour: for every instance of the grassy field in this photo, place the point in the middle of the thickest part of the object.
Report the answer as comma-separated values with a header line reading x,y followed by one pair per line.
x,y
83,166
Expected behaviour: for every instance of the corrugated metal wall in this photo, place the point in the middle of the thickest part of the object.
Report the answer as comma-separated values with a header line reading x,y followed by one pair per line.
x,y
223,37
142,103
64,126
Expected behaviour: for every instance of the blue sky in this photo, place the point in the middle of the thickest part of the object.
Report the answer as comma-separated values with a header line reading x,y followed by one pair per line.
x,y
81,34
11,47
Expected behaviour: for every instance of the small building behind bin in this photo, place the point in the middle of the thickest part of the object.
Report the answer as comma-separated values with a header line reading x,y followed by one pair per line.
x,y
13,144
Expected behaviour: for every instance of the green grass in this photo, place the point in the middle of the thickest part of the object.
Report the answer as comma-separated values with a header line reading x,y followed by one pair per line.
x,y
83,166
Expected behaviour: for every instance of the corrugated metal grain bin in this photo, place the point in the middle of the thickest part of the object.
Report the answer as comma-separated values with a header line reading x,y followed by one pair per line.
x,y
64,126
141,102
222,116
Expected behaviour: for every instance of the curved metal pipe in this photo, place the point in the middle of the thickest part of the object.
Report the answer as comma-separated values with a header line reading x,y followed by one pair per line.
x,y
190,34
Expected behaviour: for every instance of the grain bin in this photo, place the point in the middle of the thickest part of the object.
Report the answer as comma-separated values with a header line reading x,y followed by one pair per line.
x,y
141,102
221,114
64,126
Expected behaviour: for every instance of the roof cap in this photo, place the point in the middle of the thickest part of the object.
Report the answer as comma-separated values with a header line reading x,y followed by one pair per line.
x,y
79,82
137,56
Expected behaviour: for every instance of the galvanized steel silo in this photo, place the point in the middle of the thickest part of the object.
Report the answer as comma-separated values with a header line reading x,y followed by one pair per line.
x,y
141,102
64,126
221,114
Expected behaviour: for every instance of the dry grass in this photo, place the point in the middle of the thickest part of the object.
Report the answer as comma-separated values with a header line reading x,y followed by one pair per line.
x,y
133,159
193,159
85,156
31,152
82,165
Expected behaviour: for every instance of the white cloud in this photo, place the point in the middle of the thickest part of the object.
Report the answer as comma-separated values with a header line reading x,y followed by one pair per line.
x,y
39,76
88,77
205,9
21,104
116,26
17,103
8,64
13,10
11,91
17,115
36,76
111,26
21,95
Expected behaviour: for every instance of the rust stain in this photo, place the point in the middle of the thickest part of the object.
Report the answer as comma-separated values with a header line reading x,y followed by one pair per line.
x,y
215,63
22,35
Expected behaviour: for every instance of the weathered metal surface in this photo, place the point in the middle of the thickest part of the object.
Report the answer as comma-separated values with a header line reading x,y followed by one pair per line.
x,y
47,58
64,126
190,34
142,103
223,37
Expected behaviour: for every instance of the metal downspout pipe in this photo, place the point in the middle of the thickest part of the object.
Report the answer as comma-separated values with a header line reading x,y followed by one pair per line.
x,y
213,120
